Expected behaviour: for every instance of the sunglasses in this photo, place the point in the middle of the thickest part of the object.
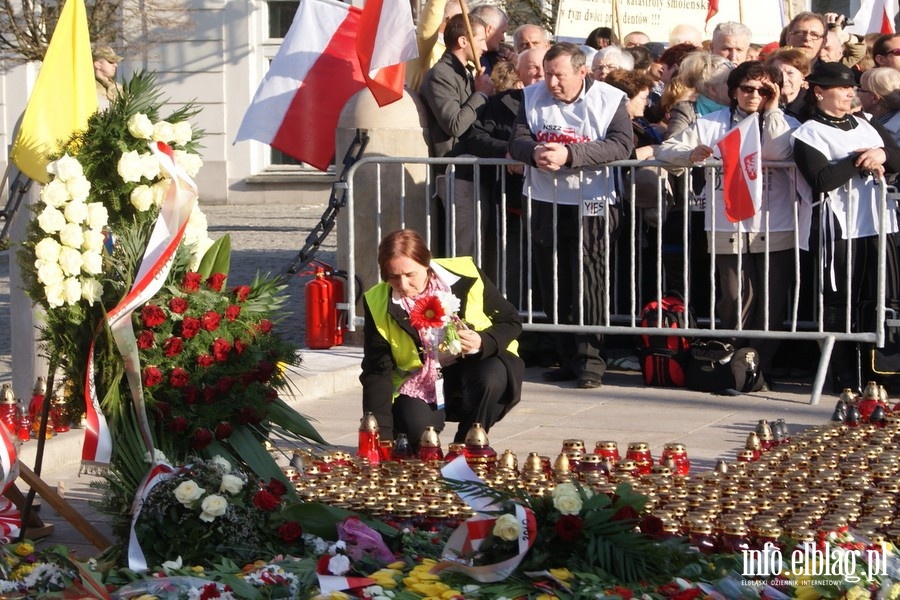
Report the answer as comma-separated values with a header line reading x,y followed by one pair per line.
x,y
749,89
894,52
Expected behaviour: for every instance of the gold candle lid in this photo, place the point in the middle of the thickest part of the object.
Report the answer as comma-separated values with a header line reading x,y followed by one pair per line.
x,y
561,465
477,436
638,447
753,442
430,438
6,395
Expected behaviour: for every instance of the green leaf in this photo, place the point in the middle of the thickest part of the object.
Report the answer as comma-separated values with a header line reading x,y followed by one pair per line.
x,y
250,450
217,259
286,417
322,519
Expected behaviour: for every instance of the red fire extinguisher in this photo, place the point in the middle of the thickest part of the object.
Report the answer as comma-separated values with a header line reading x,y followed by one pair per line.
x,y
325,308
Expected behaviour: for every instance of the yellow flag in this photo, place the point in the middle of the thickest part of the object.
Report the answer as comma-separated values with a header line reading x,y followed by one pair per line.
x,y
64,94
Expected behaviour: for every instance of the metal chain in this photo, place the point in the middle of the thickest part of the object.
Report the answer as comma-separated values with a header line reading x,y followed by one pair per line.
x,y
336,202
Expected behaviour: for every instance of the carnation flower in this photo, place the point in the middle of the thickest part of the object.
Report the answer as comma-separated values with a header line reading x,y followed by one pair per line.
x,y
338,564
213,506
51,219
178,378
152,377
55,193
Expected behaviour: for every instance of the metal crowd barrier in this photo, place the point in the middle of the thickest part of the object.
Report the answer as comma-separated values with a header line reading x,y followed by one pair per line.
x,y
634,264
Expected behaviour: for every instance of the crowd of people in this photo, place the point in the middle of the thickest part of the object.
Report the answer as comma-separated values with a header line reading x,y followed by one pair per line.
x,y
821,97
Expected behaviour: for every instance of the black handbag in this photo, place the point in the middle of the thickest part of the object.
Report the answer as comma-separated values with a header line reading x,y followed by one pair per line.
x,y
719,368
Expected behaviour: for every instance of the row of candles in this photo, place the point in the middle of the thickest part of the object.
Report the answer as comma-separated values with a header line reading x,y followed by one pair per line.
x,y
23,424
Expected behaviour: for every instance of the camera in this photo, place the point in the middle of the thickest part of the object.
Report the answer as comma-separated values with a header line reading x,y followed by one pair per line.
x,y
842,21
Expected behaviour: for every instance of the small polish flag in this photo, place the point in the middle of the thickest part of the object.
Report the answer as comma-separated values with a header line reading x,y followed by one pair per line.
x,y
875,16
740,151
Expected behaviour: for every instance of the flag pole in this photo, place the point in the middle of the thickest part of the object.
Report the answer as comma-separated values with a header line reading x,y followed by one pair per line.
x,y
617,16
470,36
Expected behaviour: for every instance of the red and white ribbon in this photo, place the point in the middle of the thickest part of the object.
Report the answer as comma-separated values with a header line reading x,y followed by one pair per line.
x,y
9,461
468,537
10,520
168,231
334,583
137,562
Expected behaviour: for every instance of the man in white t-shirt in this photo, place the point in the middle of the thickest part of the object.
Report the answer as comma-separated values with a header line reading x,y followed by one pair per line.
x,y
567,126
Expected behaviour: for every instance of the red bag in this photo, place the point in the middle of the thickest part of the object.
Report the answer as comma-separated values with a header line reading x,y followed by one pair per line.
x,y
664,358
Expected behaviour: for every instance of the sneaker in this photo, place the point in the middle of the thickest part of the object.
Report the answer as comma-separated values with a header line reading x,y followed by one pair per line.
x,y
589,381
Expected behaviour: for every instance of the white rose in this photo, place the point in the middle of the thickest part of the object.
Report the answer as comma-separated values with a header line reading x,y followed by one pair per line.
x,y
66,168
71,235
231,484
51,219
182,133
55,193
49,273
150,166
92,263
54,293
79,188
338,564
171,565
507,528
188,161
97,216
91,290
70,261
76,212
568,504
163,132
213,506
140,126
196,226
221,462
142,198
160,190
188,491
72,290
130,166
93,241
47,250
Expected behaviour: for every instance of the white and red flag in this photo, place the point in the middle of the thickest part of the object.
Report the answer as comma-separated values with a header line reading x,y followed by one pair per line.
x,y
741,182
320,66
875,16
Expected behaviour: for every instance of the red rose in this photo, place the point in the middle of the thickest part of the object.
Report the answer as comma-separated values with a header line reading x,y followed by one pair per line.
x,y
265,326
223,430
568,527
190,326
239,346
178,424
164,410
191,282
152,377
152,316
221,349
145,340
241,292
225,384
264,370
191,394
248,416
209,394
232,312
205,360
277,487
322,564
290,531
210,320
203,437
266,500
178,378
271,394
178,305
626,513
651,525
216,281
173,346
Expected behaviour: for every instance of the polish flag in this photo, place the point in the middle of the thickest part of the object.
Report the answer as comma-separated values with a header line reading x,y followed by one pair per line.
x,y
712,10
741,184
875,16
317,70
328,584
386,40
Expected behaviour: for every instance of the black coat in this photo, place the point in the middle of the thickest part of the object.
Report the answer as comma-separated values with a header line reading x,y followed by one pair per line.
x,y
490,137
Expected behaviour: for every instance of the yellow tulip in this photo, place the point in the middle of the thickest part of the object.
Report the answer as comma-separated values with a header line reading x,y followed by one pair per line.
x,y
561,574
450,594
399,565
547,597
24,549
338,596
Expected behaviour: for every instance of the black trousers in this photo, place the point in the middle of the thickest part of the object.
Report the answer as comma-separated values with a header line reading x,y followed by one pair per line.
x,y
474,392
580,353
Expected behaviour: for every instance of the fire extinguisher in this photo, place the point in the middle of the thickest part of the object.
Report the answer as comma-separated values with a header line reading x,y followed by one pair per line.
x,y
325,307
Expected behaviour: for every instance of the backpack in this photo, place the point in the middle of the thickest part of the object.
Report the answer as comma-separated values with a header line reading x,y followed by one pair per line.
x,y
664,358
719,368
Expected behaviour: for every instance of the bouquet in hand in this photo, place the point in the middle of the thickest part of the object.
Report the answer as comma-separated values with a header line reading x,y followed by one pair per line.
x,y
438,313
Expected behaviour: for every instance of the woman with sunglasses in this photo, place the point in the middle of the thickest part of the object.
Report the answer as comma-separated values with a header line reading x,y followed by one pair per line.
x,y
753,87
844,157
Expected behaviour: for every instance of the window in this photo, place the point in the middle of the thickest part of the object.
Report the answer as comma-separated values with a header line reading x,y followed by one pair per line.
x,y
280,16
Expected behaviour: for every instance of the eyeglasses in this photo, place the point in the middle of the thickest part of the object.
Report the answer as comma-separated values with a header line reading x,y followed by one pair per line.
x,y
749,89
894,52
807,34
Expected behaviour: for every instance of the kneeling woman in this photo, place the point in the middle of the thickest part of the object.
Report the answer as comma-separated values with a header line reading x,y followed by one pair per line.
x,y
410,374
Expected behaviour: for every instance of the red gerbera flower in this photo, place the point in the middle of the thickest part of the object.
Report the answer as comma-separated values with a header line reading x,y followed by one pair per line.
x,y
427,312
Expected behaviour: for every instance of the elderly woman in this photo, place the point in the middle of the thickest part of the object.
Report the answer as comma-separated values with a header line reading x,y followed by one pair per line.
x,y
879,92
420,369
609,59
752,88
794,68
843,157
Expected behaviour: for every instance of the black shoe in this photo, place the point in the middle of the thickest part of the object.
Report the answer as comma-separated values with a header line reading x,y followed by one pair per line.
x,y
589,381
557,375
